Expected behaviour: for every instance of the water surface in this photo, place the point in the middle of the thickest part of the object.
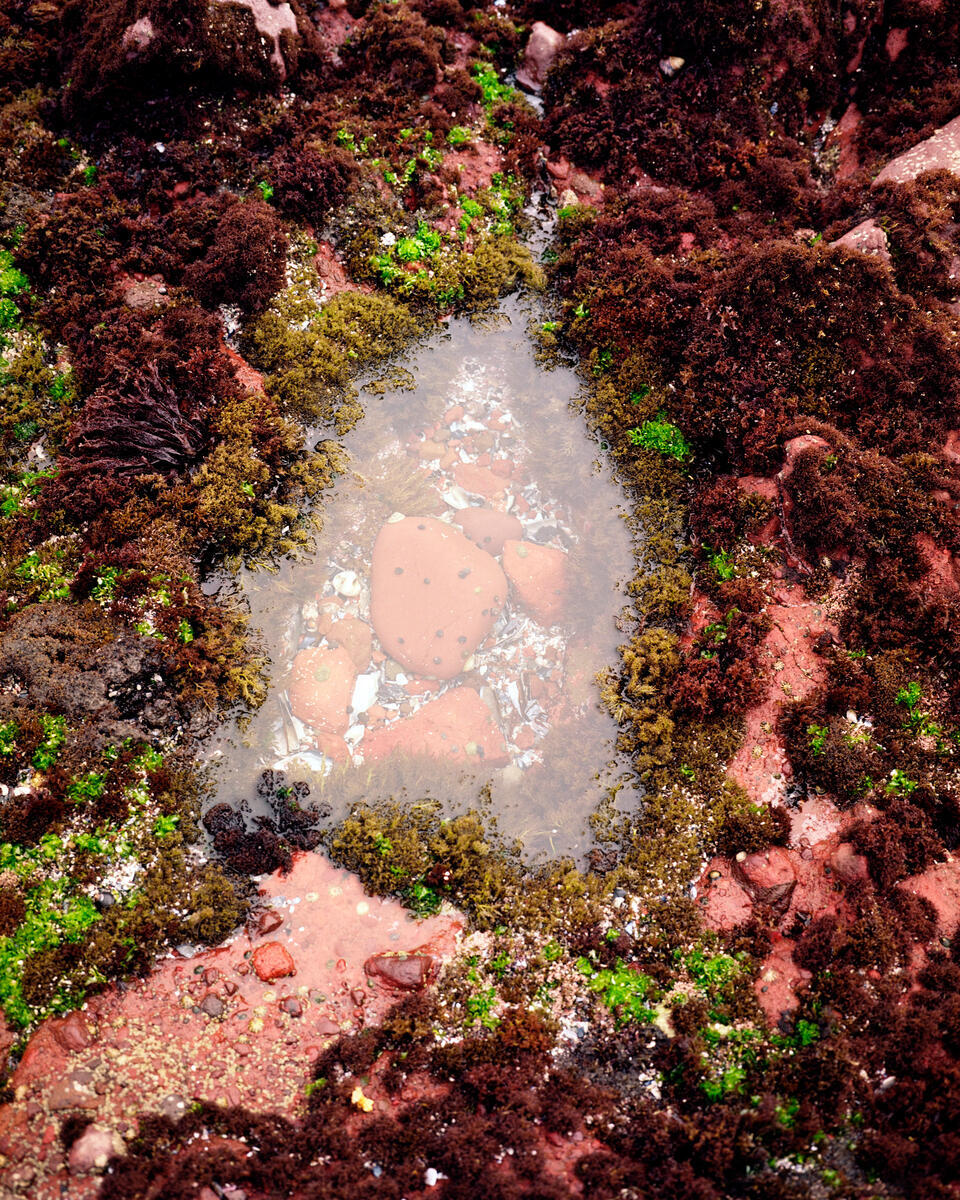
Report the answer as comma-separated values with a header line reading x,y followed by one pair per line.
x,y
510,712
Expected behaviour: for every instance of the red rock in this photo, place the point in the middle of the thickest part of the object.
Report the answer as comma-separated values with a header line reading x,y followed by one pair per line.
x,y
724,904
538,575
456,726
779,980
453,414
332,746
769,876
405,972
488,527
268,920
353,635
72,1032
481,481
272,961
543,46
525,738
333,277
502,467
941,151
93,1149
248,377
434,595
940,884
321,687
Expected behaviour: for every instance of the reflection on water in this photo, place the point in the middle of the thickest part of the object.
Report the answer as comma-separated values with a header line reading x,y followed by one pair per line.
x,y
445,637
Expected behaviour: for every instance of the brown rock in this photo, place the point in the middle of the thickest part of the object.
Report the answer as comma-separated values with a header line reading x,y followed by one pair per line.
x,y
272,961
456,726
93,1149
405,972
941,151
434,595
769,876
488,527
72,1032
543,46
353,635
321,687
848,866
538,575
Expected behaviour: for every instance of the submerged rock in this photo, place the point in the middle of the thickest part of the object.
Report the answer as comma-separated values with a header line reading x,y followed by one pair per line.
x,y
456,726
321,687
434,595
538,576
489,528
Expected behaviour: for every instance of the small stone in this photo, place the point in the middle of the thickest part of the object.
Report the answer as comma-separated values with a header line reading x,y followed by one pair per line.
x,y
93,1149
538,576
321,687
272,961
212,1005
671,65
405,972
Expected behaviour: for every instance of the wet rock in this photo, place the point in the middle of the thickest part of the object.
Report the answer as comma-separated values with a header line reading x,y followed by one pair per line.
x,y
321,686
434,595
93,1149
769,876
480,481
847,865
272,961
941,151
538,575
543,46
488,528
940,885
351,634
724,903
72,1032
868,238
405,972
212,1005
456,726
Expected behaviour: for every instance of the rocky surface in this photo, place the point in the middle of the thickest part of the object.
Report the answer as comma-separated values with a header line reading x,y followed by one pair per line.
x,y
240,1024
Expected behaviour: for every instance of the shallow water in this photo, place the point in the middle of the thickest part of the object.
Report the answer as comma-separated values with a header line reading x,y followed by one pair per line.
x,y
470,420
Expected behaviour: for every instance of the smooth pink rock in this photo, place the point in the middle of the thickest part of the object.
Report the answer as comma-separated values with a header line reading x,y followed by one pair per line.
x,y
93,1149
769,876
538,576
434,595
866,238
321,687
940,151
455,726
543,46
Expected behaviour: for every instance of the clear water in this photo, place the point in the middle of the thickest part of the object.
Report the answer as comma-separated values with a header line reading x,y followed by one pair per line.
x,y
474,395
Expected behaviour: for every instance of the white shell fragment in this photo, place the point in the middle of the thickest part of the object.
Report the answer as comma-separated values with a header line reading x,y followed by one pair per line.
x,y
347,583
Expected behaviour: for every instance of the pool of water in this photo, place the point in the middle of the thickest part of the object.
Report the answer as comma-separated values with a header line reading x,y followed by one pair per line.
x,y
443,638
